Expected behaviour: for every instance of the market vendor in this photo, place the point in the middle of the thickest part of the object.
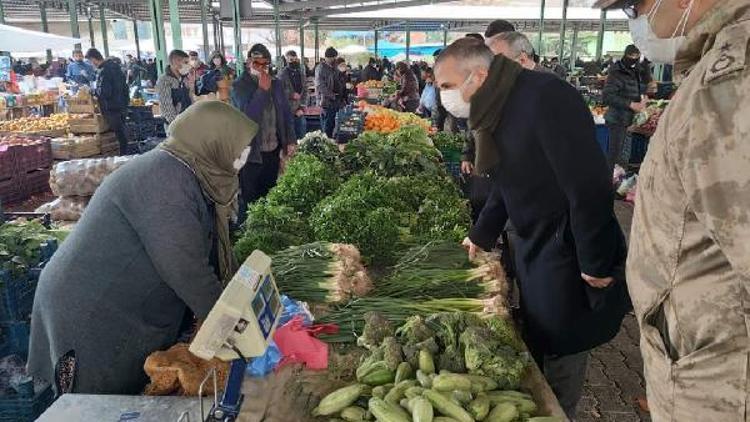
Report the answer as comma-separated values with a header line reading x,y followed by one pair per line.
x,y
152,247
549,177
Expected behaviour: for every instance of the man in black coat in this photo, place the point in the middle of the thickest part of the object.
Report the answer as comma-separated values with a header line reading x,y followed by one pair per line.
x,y
622,94
536,139
114,96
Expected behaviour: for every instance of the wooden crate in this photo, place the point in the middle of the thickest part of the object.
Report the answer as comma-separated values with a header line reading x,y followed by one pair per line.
x,y
87,106
73,148
89,124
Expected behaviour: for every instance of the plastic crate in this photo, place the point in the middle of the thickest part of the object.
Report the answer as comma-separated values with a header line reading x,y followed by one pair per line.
x,y
17,292
10,191
35,182
148,144
7,163
21,408
14,338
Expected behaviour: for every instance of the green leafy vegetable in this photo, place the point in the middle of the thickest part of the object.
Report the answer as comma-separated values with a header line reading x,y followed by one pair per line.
x,y
306,181
271,228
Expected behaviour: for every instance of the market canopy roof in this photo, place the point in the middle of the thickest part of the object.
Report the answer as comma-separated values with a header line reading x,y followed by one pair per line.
x,y
19,40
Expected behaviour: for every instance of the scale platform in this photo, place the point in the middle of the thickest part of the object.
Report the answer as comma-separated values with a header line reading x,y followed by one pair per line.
x,y
90,407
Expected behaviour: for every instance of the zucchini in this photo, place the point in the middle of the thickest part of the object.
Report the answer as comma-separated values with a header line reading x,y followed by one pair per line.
x,y
522,401
386,412
545,419
479,408
353,414
481,383
462,396
424,380
397,392
379,391
451,382
447,407
406,404
426,363
443,419
503,412
378,377
338,400
421,410
508,394
404,372
412,392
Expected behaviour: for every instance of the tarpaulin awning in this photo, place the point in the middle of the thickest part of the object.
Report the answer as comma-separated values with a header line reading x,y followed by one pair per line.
x,y
19,40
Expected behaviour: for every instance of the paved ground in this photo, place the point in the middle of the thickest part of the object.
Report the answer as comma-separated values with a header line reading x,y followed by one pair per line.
x,y
615,378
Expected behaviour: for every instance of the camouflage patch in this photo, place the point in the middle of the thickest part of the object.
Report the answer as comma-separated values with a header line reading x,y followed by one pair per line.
x,y
729,54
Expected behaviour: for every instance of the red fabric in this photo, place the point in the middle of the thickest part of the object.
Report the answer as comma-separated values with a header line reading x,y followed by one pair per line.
x,y
298,344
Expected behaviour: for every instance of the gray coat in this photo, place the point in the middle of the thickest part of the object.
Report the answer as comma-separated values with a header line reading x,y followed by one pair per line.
x,y
119,286
325,81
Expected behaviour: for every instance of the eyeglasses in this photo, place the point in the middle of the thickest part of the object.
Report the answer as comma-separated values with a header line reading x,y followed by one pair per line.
x,y
630,9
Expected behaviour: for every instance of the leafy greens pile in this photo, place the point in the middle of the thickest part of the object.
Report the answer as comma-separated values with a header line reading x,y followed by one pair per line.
x,y
20,245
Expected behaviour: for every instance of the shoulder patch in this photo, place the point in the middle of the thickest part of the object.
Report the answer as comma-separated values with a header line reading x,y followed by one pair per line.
x,y
730,51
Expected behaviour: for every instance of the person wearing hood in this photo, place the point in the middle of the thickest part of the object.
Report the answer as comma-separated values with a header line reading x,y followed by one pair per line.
x,y
113,95
175,87
689,262
570,249
263,99
151,251
623,94
79,71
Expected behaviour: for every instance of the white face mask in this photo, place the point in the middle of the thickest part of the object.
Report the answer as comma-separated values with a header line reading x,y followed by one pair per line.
x,y
658,50
217,62
240,162
454,102
185,69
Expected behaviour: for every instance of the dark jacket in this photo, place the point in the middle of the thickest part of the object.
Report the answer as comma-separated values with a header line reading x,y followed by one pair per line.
x,y
552,183
112,88
325,80
623,87
369,73
294,79
252,101
120,284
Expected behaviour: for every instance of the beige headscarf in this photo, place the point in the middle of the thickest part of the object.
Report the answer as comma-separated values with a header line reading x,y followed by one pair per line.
x,y
209,136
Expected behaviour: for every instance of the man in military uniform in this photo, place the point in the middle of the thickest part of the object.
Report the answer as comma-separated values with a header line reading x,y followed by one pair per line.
x,y
689,263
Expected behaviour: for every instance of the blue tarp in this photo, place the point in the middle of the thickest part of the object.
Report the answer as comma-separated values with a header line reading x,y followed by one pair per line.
x,y
389,49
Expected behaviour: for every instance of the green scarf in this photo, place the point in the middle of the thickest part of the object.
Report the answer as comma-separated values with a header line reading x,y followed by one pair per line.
x,y
487,107
209,136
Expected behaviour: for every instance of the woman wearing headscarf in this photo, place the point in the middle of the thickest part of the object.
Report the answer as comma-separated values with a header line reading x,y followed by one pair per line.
x,y
151,251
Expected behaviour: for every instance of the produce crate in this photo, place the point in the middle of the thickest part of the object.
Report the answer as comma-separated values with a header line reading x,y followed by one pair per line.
x,y
453,168
35,182
451,155
14,339
148,144
86,106
73,148
34,157
7,163
89,124
22,408
17,293
10,191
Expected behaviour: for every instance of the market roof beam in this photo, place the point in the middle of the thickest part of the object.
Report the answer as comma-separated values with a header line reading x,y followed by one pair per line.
x,y
370,6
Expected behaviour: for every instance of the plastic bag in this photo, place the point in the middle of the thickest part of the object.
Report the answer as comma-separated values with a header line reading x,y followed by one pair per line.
x,y
298,344
83,177
65,208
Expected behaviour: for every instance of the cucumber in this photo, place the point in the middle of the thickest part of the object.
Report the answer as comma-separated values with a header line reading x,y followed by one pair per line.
x,y
443,419
338,400
463,396
406,404
503,412
397,392
426,363
404,372
447,407
481,383
421,410
386,412
412,392
451,382
378,377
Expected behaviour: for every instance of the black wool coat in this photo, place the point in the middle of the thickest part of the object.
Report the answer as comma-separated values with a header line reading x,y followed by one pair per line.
x,y
552,182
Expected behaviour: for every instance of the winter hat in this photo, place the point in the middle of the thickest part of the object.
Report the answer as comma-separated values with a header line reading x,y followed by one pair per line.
x,y
331,53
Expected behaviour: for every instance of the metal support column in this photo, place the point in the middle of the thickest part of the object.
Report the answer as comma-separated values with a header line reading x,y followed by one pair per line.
x,y
103,27
45,25
540,41
157,32
302,41
600,35
563,27
222,45
137,39
91,26
277,32
74,30
237,27
204,28
376,43
2,13
408,39
445,37
317,42
174,23
574,47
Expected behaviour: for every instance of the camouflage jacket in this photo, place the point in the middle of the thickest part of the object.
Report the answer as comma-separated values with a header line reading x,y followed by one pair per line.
x,y
689,262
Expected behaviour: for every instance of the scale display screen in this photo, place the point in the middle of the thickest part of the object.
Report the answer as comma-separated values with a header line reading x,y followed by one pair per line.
x,y
266,305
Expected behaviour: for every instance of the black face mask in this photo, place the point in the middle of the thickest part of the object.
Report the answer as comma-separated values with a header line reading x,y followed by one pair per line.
x,y
629,62
294,64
